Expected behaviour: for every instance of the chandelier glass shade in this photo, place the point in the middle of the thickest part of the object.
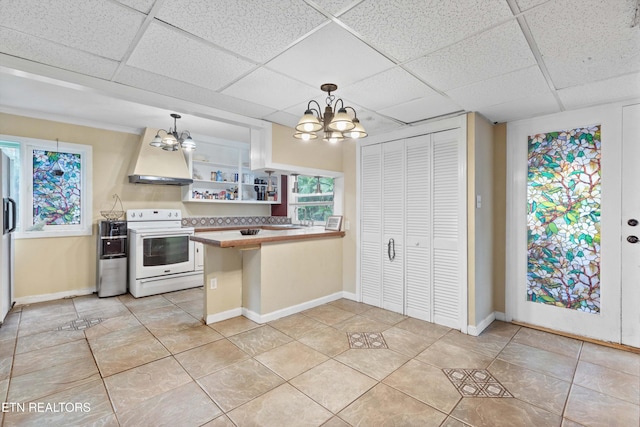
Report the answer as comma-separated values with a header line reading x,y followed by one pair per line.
x,y
335,124
172,140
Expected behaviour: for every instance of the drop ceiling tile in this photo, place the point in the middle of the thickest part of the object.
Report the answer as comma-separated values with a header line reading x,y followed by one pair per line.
x,y
22,45
586,40
330,55
266,87
258,30
180,90
96,26
143,6
602,92
504,88
391,87
171,53
409,29
528,4
422,109
336,7
497,51
376,124
532,106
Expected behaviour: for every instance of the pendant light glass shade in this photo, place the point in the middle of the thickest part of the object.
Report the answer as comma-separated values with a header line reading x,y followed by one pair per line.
x,y
308,123
188,144
357,132
333,137
341,121
305,136
156,142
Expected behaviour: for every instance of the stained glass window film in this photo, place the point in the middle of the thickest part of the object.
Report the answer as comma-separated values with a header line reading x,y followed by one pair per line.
x,y
563,219
57,191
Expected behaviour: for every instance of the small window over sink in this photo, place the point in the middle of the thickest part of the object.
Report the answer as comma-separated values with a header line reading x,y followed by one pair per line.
x,y
313,202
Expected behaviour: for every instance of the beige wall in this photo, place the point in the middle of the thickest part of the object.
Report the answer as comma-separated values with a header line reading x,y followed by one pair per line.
x,y
52,265
315,154
499,214
296,272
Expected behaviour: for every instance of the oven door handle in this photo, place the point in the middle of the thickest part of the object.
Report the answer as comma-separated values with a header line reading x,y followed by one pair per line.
x,y
159,235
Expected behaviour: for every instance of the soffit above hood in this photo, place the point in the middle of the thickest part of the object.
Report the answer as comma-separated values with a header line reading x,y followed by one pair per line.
x,y
156,166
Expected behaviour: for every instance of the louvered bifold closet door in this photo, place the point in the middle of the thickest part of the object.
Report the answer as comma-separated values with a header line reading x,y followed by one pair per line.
x,y
417,229
446,229
393,226
371,225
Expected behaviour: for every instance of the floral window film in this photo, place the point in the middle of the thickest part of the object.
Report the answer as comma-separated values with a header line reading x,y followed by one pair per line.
x,y
57,193
563,219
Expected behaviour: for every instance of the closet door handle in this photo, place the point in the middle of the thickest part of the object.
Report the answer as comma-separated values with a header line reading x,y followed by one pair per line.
x,y
391,249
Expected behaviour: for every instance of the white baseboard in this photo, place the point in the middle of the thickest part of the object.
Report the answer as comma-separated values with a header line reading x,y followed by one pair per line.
x,y
500,316
219,317
477,330
264,318
57,295
350,296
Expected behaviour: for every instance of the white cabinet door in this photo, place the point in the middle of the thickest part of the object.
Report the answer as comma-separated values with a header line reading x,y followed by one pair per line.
x,y
448,185
418,284
371,225
393,183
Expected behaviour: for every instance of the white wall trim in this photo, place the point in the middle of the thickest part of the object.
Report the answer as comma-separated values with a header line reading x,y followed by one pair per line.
x,y
477,330
219,317
264,318
54,296
500,316
350,296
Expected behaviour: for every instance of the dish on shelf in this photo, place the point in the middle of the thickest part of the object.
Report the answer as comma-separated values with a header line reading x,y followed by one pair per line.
x,y
250,231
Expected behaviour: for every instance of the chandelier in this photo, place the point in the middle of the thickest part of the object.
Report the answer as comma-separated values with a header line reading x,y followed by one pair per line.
x,y
335,126
173,140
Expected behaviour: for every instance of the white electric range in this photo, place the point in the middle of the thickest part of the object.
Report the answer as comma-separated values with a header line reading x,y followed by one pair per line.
x,y
161,254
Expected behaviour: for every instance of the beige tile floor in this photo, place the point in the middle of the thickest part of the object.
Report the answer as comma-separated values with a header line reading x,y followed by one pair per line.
x,y
152,362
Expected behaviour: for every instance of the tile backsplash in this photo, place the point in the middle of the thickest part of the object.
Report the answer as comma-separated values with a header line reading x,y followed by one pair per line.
x,y
232,221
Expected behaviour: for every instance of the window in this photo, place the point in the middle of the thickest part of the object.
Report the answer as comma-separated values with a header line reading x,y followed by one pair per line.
x,y
314,199
53,187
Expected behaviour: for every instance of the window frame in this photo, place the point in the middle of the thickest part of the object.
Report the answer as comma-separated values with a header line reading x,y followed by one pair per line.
x,y
27,147
338,184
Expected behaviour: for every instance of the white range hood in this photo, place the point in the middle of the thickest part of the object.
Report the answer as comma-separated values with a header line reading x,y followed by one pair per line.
x,y
156,166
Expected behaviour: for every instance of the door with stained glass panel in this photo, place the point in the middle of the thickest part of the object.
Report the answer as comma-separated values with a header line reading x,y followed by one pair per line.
x,y
564,223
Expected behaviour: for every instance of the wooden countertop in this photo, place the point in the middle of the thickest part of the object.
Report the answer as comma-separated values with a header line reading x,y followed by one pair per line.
x,y
267,233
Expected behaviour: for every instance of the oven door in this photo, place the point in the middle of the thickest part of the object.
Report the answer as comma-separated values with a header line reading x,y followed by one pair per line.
x,y
162,252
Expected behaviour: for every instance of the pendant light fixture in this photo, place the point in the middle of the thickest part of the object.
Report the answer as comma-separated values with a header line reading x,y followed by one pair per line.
x,y
335,123
172,140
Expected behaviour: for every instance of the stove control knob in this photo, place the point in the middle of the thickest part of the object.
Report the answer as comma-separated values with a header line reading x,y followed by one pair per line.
x,y
169,214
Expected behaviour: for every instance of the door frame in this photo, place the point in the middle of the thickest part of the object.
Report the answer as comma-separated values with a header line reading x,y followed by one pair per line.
x,y
610,117
630,316
448,123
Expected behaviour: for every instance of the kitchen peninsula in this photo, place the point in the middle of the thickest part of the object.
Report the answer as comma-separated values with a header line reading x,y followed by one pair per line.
x,y
279,271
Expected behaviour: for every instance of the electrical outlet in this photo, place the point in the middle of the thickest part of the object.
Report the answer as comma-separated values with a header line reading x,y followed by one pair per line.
x,y
347,225
213,283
